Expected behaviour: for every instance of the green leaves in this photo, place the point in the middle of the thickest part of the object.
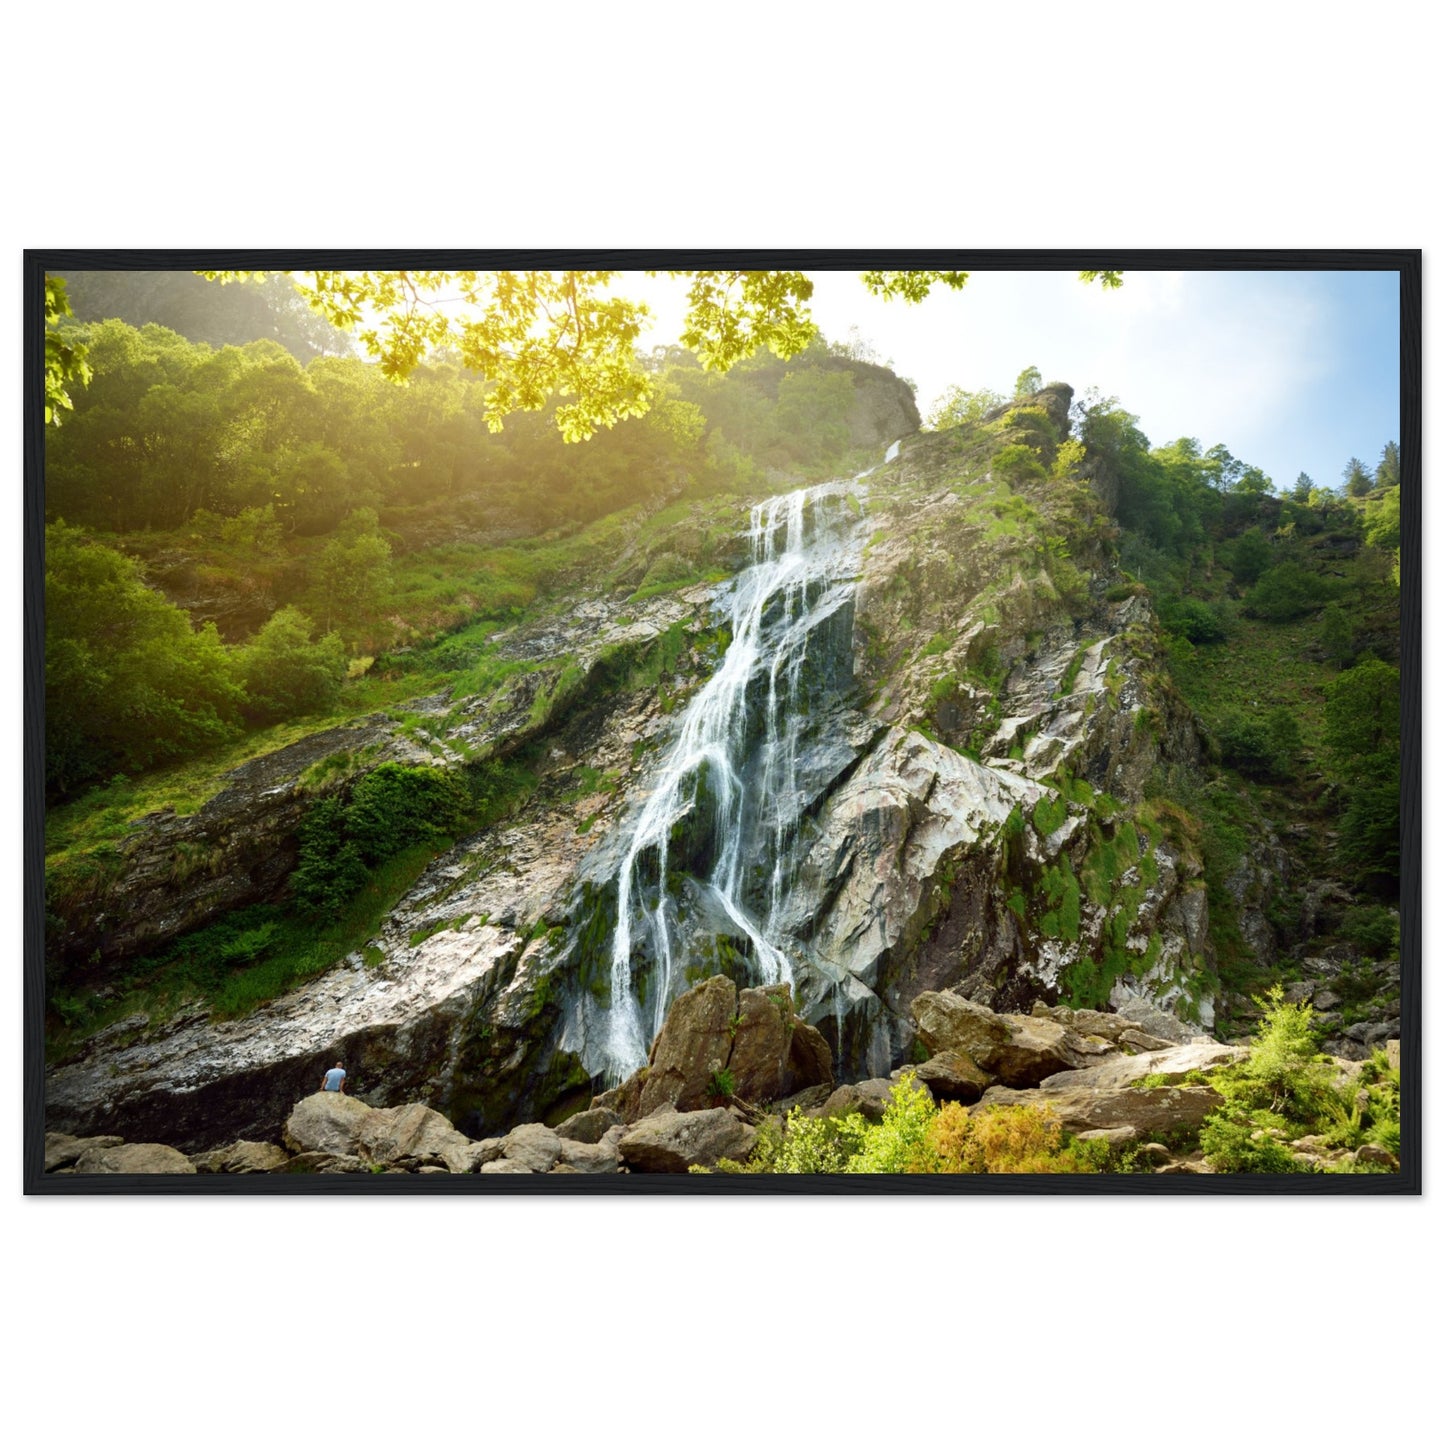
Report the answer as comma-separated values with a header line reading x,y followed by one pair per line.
x,y
65,359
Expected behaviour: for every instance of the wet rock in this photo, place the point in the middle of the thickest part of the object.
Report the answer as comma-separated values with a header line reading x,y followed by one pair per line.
x,y
669,1142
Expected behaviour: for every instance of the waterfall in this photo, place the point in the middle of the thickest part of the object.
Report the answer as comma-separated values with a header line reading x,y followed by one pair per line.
x,y
736,753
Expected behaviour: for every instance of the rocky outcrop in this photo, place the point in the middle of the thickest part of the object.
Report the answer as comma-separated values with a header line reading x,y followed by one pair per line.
x,y
1017,1050
244,1157
722,1043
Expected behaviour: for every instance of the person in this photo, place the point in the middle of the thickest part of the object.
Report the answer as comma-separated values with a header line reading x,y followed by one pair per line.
x,y
334,1080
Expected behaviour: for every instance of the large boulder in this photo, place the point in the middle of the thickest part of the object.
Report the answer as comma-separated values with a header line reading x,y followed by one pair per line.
x,y
134,1159
602,1157
589,1126
691,1049
1020,1050
952,1075
1112,1094
329,1123
534,1145
720,1042
669,1142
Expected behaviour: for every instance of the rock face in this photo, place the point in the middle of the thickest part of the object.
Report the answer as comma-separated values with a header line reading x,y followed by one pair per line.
x,y
720,1043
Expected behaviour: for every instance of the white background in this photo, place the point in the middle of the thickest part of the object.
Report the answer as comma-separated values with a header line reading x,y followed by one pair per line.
x,y
642,125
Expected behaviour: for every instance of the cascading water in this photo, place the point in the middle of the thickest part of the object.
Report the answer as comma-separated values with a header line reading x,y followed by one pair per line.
x,y
737,755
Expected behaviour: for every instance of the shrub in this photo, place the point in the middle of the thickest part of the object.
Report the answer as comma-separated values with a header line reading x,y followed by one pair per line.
x,y
1260,746
1190,618
1016,1140
899,1143
285,673
1288,591
1235,1144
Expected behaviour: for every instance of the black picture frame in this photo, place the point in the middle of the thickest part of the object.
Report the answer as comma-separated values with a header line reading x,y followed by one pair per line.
x,y
1406,263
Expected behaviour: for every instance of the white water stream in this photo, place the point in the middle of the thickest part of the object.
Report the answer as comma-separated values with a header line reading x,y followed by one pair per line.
x,y
802,567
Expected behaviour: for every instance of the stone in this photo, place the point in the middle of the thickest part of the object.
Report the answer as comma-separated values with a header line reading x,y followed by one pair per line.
x,y
325,1123
669,1142
1082,1108
762,1039
340,1124
869,1097
589,1126
1114,1138
1298,993
1375,1154
1325,1000
952,1075
1155,1154
534,1145
691,1048
1392,1053
62,1150
601,1157
1152,1020
1125,1070
1132,1038
1020,1050
244,1157
1090,1023
504,1166
134,1159
807,1100
319,1161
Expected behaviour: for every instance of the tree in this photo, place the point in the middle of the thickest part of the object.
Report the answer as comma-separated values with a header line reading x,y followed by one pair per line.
x,y
1387,474
65,362
354,570
285,673
1029,381
534,335
1303,486
1357,478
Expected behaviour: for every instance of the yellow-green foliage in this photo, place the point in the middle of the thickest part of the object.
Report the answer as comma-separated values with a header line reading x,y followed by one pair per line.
x,y
1016,1140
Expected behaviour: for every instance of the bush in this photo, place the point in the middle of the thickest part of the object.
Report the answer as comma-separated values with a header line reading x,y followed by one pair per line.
x,y
1017,1140
395,806
1260,747
1288,591
285,673
1191,618
1235,1144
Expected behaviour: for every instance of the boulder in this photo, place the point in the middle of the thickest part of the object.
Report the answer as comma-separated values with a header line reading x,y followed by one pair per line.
x,y
534,1145
805,1099
320,1161
602,1157
326,1124
753,1035
1375,1154
1114,1138
1083,1108
1152,1020
761,1043
669,1142
339,1124
62,1150
134,1159
1088,1022
589,1126
504,1166
692,1047
869,1097
1392,1053
244,1157
1123,1070
952,1075
1020,1050
1140,1042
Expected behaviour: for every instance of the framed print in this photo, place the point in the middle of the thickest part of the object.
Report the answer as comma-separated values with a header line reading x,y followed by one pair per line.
x,y
706,722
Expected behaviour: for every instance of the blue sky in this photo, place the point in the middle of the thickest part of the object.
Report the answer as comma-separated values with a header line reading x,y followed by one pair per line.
x,y
1291,370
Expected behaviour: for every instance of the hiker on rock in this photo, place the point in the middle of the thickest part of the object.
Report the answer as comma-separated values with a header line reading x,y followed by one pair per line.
x,y
333,1081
